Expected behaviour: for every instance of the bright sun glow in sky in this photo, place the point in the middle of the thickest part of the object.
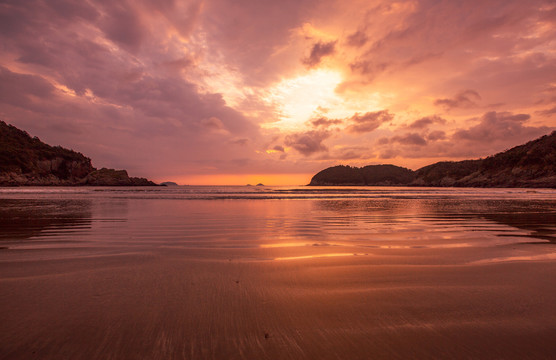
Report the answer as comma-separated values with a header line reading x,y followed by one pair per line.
x,y
303,97
230,92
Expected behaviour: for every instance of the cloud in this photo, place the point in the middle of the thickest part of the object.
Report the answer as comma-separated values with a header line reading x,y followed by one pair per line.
x,y
499,125
388,153
241,142
357,39
493,132
368,121
214,124
23,90
409,139
123,25
463,99
547,112
258,38
318,52
351,153
139,84
368,67
424,122
436,135
325,122
309,142
129,95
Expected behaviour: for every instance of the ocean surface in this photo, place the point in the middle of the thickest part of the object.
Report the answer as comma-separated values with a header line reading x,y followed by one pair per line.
x,y
257,272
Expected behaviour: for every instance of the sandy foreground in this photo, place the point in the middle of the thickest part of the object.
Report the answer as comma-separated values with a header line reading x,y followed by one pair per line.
x,y
146,279
168,304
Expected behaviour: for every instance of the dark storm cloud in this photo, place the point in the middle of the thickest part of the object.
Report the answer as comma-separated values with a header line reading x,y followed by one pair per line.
x,y
318,52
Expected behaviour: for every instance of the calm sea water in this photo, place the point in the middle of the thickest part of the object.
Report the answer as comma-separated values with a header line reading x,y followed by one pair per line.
x,y
277,272
276,217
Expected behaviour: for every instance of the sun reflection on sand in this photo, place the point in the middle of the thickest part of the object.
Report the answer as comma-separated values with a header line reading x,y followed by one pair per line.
x,y
537,257
295,244
318,256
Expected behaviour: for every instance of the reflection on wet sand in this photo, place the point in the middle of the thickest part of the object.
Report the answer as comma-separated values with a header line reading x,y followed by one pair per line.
x,y
24,219
547,256
315,256
541,225
313,279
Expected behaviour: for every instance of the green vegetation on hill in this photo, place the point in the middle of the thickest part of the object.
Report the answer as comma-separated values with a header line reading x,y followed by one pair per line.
x,y
22,154
530,165
368,175
25,160
445,173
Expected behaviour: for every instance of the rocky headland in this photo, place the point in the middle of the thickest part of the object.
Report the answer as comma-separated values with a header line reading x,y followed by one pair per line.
x,y
27,161
529,165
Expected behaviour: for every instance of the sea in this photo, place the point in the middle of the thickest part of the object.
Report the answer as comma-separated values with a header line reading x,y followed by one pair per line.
x,y
277,272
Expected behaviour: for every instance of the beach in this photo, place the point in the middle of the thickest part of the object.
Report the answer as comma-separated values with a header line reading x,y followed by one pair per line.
x,y
277,273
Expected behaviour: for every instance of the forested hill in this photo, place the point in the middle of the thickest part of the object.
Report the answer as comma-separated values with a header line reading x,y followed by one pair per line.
x,y
530,165
26,160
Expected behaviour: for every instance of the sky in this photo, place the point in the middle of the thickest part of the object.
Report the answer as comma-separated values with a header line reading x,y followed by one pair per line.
x,y
249,91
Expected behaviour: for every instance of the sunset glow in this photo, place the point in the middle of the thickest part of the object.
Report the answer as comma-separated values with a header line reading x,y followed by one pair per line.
x,y
303,97
214,91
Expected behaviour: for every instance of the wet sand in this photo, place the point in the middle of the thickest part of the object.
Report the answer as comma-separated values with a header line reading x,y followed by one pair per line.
x,y
159,279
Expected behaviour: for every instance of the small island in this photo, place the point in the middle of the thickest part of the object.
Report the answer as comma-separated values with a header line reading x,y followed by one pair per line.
x,y
168,183
27,161
530,165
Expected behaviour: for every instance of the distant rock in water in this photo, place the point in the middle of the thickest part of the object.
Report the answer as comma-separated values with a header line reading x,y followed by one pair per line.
x,y
169,183
530,165
371,175
28,161
260,184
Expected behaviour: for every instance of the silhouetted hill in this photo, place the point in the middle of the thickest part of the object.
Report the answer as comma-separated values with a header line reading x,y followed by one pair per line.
x,y
530,165
368,175
445,173
25,160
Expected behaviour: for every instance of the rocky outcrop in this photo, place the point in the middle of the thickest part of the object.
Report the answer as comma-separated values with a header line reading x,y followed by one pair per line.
x,y
530,165
27,161
111,177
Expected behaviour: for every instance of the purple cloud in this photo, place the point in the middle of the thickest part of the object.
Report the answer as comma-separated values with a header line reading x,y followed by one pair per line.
x,y
368,121
325,122
318,52
424,122
463,99
309,142
409,139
